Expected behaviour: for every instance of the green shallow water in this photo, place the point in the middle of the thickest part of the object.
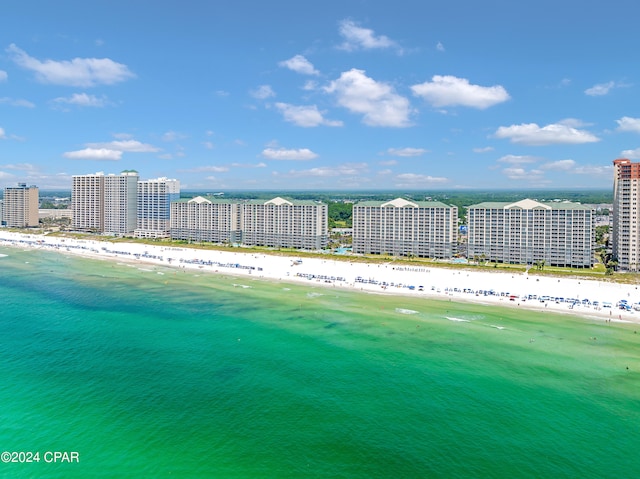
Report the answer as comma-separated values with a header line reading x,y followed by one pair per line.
x,y
186,375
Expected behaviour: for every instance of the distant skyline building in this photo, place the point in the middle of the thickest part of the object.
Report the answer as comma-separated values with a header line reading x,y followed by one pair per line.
x,y
527,231
206,219
87,202
20,206
283,223
121,202
154,207
401,227
625,234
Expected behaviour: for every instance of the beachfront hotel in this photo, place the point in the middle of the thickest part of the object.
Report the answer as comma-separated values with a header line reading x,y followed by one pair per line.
x,y
87,202
527,231
625,234
405,228
282,223
205,219
121,202
154,207
20,206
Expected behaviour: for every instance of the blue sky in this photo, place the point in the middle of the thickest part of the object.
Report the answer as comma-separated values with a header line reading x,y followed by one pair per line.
x,y
340,95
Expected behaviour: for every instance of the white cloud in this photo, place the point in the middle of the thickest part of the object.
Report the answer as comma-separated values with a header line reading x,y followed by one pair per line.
x,y
388,162
249,165
3,75
407,152
377,101
82,99
299,64
3,135
452,91
626,123
19,166
305,115
414,180
560,165
440,47
522,174
132,146
517,159
630,154
310,85
302,154
81,72
357,38
208,145
17,102
97,154
600,89
485,149
331,171
554,134
263,92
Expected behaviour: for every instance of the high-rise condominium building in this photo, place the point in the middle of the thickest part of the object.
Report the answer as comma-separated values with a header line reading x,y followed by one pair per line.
x,y
625,237
283,223
404,228
206,219
527,231
20,206
87,202
154,207
121,202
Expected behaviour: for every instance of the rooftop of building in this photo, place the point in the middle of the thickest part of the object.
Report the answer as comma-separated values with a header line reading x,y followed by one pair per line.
x,y
403,203
529,204
278,201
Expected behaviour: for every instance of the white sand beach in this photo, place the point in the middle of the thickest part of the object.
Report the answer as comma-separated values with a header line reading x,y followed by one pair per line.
x,y
584,297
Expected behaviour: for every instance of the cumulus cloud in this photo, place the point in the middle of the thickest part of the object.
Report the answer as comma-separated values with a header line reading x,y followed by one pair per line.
x,y
359,38
3,135
80,72
299,64
406,152
132,146
263,92
96,154
554,134
630,154
305,115
377,101
301,154
3,75
452,91
388,162
415,180
560,165
82,99
598,171
626,123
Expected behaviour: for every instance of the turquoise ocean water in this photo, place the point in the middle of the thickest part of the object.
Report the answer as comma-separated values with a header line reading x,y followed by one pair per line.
x,y
152,372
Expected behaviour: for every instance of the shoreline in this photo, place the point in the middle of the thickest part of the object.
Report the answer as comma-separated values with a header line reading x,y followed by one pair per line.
x,y
514,290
